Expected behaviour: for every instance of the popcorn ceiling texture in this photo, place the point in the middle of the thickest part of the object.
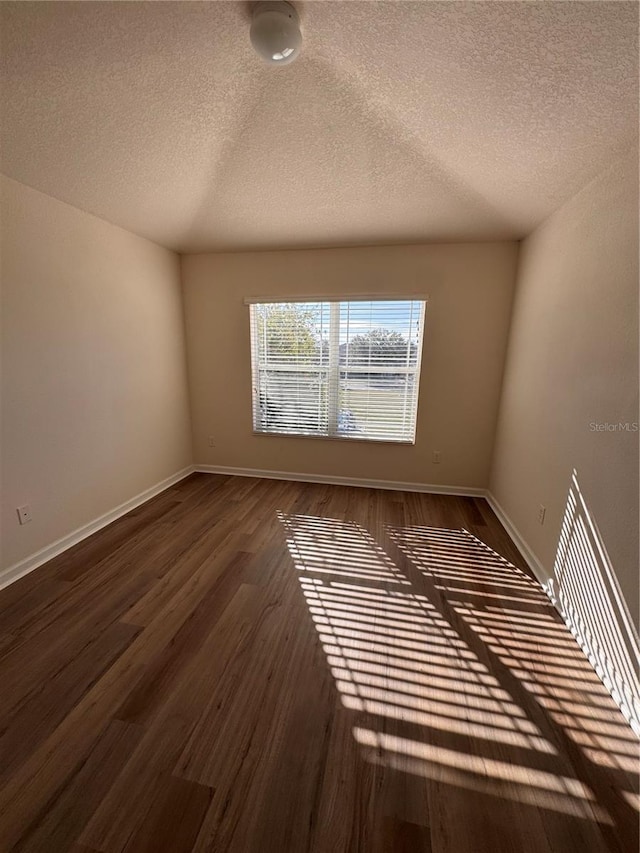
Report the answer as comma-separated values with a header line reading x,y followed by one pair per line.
x,y
400,122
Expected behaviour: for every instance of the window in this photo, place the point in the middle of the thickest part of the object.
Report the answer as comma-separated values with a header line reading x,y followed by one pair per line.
x,y
337,369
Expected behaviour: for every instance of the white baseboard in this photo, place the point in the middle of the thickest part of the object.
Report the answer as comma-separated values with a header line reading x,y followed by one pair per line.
x,y
539,571
393,485
28,564
23,567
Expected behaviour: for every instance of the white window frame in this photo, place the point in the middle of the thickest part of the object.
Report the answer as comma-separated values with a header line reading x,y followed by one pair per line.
x,y
332,370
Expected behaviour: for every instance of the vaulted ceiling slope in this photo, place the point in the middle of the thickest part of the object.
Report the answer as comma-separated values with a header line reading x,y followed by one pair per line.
x,y
400,121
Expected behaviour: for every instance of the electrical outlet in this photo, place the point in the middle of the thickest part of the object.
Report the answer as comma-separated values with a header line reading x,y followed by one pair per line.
x,y
24,514
436,457
212,441
541,512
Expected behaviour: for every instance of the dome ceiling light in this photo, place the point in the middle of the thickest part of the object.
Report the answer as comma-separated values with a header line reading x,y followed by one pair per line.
x,y
275,32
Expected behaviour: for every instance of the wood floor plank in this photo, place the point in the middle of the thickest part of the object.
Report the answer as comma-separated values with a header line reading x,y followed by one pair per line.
x,y
400,836
253,666
47,706
174,820
27,606
133,794
64,816
267,800
162,674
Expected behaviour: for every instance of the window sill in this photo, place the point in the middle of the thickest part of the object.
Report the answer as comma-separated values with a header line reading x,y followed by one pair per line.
x,y
349,438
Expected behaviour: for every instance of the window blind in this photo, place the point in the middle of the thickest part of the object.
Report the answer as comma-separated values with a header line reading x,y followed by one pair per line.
x,y
347,369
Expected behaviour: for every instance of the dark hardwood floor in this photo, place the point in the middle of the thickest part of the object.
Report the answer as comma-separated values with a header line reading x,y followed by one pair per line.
x,y
268,667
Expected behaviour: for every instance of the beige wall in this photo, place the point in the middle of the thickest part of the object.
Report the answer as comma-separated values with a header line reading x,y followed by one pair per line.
x,y
573,361
94,397
470,293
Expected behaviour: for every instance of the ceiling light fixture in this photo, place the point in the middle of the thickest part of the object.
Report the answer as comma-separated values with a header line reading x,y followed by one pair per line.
x,y
275,32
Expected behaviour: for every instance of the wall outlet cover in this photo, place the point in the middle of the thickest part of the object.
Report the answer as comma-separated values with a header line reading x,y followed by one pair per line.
x,y
24,514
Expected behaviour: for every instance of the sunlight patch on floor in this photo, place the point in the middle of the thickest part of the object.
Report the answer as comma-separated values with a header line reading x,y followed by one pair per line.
x,y
417,674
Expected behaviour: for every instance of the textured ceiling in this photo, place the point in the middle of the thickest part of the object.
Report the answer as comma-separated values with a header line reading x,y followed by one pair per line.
x,y
399,122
